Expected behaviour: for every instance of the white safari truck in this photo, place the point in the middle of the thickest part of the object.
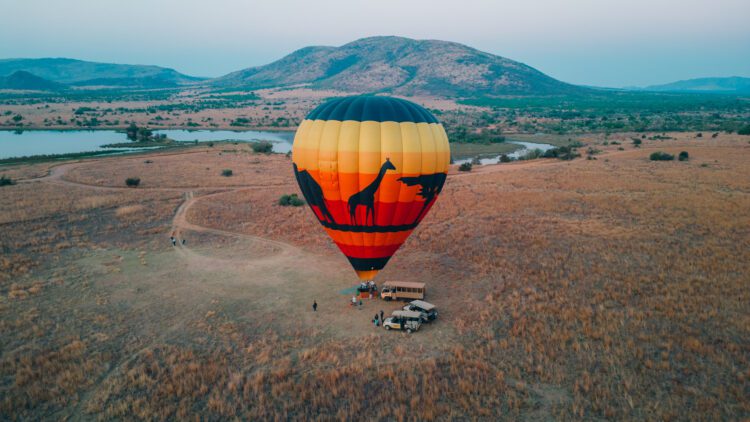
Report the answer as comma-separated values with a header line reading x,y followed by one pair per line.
x,y
428,311
402,290
403,320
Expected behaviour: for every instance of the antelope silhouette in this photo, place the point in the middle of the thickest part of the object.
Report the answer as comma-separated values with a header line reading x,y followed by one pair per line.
x,y
312,192
366,196
431,185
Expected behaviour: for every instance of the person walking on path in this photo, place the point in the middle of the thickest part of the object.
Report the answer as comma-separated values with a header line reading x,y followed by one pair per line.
x,y
174,241
315,306
354,301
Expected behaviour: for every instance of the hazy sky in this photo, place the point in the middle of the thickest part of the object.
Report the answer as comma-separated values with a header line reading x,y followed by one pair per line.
x,y
594,42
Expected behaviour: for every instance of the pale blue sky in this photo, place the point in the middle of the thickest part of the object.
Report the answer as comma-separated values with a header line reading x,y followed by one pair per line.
x,y
594,42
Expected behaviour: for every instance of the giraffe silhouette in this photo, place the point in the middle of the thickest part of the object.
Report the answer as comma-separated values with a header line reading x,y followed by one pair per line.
x,y
366,196
431,185
312,192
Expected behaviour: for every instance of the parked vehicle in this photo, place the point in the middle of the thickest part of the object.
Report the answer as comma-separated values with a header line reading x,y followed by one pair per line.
x,y
425,309
408,321
402,290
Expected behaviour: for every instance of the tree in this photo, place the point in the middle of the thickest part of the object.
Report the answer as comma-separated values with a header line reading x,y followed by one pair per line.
x,y
132,132
661,156
684,156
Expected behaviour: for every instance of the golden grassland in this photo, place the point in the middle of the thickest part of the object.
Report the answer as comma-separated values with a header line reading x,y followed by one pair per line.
x,y
610,288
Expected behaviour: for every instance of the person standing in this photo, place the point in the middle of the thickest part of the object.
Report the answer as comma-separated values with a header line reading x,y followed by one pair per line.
x,y
381,314
174,241
315,306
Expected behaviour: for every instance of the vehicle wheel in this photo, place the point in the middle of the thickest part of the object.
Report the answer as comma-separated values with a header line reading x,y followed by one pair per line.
x,y
388,328
408,330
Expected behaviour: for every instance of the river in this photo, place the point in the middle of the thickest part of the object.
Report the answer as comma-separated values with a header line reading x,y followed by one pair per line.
x,y
494,159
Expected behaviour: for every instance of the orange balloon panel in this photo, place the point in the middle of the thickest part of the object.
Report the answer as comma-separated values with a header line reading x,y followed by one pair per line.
x,y
370,168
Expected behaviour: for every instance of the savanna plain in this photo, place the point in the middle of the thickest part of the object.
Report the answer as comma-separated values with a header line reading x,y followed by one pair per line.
x,y
614,287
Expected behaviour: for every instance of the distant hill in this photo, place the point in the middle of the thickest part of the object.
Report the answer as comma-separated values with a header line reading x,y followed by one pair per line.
x,y
83,73
730,85
26,81
401,66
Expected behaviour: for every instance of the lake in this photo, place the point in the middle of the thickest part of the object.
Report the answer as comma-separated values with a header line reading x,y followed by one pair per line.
x,y
39,142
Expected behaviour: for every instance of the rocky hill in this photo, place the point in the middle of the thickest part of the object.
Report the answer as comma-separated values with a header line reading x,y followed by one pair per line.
x,y
729,85
84,73
401,66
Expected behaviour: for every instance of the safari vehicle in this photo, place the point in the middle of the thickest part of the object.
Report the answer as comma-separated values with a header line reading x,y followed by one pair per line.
x,y
426,310
403,320
402,290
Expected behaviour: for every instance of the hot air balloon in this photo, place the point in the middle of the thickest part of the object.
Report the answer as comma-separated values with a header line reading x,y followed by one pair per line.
x,y
370,168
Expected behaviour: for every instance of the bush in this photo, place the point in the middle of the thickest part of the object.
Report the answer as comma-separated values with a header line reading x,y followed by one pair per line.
x,y
133,182
637,142
744,131
661,156
6,181
684,156
505,159
293,200
563,153
264,147
532,154
226,172
464,167
476,161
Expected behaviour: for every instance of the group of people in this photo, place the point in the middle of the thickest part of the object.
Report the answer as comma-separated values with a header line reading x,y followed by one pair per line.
x,y
369,287
378,321
174,240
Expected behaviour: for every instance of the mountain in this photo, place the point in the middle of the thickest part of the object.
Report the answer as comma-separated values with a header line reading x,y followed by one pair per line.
x,y
26,81
83,73
401,66
730,85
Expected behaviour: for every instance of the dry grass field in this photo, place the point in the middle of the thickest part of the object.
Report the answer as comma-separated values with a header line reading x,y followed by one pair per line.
x,y
606,288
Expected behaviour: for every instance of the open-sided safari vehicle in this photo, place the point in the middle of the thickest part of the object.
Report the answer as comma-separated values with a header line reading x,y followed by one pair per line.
x,y
403,320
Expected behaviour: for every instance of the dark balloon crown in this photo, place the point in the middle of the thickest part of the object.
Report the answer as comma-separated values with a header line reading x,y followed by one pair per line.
x,y
372,108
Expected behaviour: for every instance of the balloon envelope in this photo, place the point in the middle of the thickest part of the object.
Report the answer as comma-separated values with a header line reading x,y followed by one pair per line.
x,y
370,168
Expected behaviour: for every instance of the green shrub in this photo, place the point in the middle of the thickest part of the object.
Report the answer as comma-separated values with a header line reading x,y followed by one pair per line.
x,y
563,153
132,182
744,131
532,154
6,181
226,172
264,147
465,167
505,159
684,156
637,142
291,200
661,156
